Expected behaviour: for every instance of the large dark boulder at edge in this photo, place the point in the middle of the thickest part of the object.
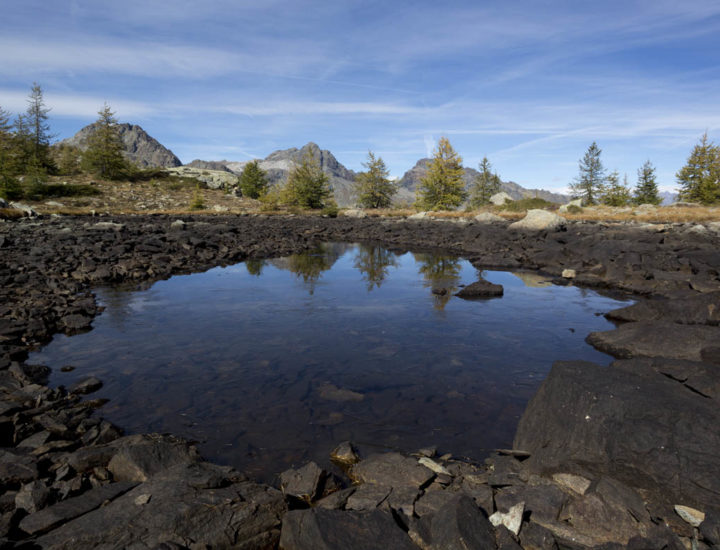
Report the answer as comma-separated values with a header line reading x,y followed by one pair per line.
x,y
635,423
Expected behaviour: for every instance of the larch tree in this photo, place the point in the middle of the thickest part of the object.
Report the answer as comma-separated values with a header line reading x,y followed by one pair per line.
x,y
373,187
9,186
307,185
485,185
253,180
442,187
104,154
37,130
699,179
646,189
614,193
591,178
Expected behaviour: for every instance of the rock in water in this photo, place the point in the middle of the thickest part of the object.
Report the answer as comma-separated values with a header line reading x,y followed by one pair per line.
x,y
539,220
345,454
480,289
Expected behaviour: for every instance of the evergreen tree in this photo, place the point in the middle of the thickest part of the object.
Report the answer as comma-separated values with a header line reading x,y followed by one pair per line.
x,y
9,186
374,188
38,130
67,158
253,180
699,179
104,154
646,190
485,185
614,193
442,188
307,185
591,178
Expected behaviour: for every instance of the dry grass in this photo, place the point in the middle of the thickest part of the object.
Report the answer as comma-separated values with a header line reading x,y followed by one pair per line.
x,y
174,198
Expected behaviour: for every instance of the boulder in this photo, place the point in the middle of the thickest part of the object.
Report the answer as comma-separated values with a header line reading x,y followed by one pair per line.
x,y
104,226
304,483
87,385
565,207
498,199
643,428
480,289
539,220
345,454
320,529
24,208
488,217
354,213
657,339
419,216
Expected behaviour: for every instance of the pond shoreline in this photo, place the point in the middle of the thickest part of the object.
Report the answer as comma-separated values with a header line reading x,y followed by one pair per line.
x,y
59,463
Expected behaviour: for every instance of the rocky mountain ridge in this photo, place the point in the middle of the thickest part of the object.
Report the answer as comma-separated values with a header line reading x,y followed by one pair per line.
x,y
139,147
278,164
410,180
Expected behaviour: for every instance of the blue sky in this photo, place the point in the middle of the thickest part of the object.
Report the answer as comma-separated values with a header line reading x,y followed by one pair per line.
x,y
529,84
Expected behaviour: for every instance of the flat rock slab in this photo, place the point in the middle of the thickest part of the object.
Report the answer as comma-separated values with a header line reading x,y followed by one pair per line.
x,y
459,524
67,510
318,529
480,289
656,339
166,509
703,309
392,470
647,430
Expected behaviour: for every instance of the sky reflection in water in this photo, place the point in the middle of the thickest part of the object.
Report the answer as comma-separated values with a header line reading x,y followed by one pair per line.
x,y
270,363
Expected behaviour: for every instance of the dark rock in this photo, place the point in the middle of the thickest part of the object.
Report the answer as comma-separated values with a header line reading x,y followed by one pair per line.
x,y
391,469
636,428
166,509
76,323
304,483
64,511
459,524
368,497
316,529
481,289
32,497
16,468
656,339
505,470
345,454
336,500
505,539
701,309
536,537
543,501
139,457
710,528
696,376
87,385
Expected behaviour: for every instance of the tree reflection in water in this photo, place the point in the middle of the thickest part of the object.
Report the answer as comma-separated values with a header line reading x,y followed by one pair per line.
x,y
255,267
441,274
309,266
374,262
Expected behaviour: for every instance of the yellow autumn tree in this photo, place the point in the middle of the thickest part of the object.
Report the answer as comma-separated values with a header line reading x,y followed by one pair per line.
x,y
443,187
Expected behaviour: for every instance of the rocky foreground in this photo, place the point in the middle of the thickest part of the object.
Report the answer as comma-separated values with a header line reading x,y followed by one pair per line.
x,y
626,456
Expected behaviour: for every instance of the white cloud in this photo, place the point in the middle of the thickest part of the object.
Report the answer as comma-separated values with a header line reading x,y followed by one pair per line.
x,y
69,105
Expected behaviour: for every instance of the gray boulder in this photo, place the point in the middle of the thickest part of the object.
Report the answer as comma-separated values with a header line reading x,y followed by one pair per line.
x,y
488,217
566,207
498,199
539,220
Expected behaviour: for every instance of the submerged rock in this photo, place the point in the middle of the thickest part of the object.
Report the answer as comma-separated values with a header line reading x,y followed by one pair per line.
x,y
480,289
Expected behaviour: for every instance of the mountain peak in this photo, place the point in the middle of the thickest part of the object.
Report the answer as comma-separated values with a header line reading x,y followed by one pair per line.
x,y
138,146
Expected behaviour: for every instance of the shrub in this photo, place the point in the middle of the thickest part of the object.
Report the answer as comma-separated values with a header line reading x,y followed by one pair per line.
x,y
527,204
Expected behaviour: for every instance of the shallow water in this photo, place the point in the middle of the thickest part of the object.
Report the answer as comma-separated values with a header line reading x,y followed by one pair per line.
x,y
269,364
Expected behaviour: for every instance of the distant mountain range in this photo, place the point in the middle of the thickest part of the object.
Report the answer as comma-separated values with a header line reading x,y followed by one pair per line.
x,y
140,148
146,151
